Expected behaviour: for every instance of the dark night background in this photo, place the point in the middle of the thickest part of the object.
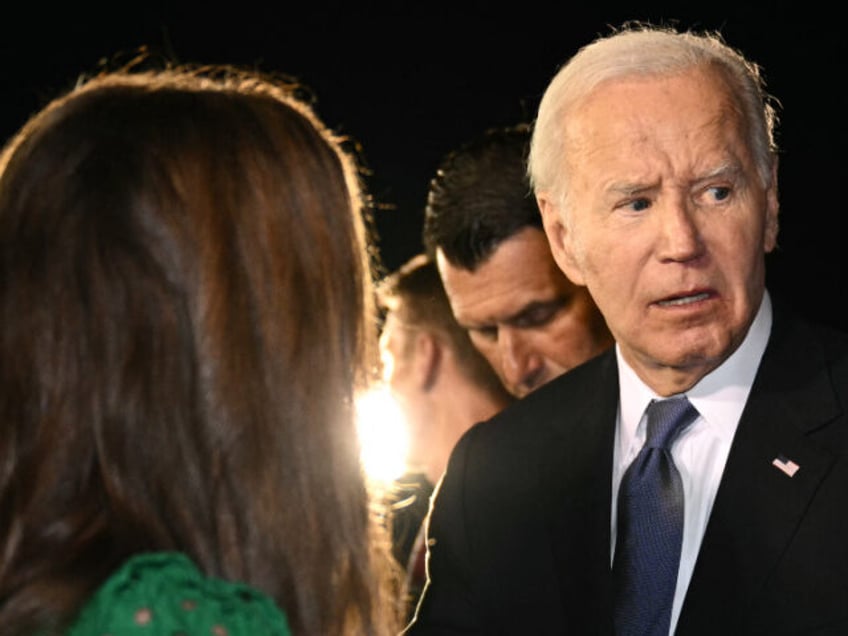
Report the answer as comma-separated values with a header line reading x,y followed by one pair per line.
x,y
411,80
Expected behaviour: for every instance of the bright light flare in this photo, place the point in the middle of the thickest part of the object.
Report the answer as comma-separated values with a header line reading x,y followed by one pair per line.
x,y
383,435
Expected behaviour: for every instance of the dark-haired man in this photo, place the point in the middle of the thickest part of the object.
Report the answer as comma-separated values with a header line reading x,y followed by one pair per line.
x,y
483,227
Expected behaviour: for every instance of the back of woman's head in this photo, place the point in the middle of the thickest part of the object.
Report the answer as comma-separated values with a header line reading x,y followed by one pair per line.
x,y
186,310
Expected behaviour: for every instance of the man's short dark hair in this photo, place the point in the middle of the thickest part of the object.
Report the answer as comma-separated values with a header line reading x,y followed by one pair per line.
x,y
480,197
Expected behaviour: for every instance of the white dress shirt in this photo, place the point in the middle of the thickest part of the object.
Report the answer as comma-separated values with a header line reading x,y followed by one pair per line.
x,y
700,452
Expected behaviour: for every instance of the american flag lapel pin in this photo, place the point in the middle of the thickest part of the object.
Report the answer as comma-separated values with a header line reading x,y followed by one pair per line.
x,y
786,465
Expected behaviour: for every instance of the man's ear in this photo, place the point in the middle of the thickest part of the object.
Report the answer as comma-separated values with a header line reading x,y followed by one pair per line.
x,y
428,358
772,209
562,245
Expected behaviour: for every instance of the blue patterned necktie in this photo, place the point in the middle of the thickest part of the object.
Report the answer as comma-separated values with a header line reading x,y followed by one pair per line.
x,y
650,526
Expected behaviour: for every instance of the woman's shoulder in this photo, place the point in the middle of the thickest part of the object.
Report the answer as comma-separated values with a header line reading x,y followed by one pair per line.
x,y
164,593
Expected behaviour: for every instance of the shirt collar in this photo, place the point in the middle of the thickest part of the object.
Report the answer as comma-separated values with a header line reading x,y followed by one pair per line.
x,y
719,396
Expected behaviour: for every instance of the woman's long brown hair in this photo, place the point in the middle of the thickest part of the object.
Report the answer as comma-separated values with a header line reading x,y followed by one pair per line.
x,y
185,288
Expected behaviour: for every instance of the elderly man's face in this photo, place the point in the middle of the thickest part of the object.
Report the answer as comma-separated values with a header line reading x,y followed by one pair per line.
x,y
670,221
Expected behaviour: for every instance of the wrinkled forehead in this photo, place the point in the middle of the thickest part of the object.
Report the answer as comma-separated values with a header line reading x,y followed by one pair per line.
x,y
688,113
701,90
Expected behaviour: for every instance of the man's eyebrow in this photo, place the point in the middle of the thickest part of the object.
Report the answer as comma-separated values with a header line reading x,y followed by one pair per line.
x,y
630,188
729,170
536,305
521,314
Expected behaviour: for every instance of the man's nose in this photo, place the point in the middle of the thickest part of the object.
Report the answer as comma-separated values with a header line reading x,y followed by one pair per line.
x,y
680,236
522,365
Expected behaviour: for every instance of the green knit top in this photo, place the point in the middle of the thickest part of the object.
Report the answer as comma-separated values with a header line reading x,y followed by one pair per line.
x,y
164,594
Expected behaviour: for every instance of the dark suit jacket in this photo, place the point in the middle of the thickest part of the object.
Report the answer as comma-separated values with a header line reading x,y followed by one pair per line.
x,y
520,525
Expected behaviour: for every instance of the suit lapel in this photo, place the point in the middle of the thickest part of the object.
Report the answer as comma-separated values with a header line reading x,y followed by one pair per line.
x,y
758,506
577,473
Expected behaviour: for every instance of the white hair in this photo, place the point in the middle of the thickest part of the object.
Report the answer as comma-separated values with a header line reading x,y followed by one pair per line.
x,y
645,50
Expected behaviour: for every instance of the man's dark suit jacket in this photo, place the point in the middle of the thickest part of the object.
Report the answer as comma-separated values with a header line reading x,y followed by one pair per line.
x,y
520,524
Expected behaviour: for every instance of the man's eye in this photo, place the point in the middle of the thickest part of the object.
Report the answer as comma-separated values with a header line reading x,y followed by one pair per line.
x,y
539,316
719,193
638,205
714,195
